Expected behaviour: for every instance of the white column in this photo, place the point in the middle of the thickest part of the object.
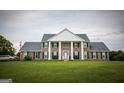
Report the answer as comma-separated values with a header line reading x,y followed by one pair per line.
x,y
49,51
82,51
59,50
72,50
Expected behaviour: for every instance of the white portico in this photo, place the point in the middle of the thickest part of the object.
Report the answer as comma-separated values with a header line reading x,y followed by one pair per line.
x,y
67,38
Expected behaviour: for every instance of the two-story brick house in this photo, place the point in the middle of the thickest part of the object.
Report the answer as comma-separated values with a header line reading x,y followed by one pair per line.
x,y
65,46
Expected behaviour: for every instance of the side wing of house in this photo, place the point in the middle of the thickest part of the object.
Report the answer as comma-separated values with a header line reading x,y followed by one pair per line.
x,y
98,50
32,49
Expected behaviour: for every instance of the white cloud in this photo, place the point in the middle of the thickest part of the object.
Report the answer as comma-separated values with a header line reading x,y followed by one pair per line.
x,y
106,26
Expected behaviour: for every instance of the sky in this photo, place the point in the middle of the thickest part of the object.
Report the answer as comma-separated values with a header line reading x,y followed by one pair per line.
x,y
30,25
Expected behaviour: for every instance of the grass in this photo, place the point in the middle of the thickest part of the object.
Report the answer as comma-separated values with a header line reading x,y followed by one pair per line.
x,y
60,71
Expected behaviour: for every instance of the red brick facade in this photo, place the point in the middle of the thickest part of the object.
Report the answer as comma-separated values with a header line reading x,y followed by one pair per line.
x,y
88,50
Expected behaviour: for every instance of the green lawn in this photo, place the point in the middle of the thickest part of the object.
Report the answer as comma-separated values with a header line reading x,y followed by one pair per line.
x,y
61,71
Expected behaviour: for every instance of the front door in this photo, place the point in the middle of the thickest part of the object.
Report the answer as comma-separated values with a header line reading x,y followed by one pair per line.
x,y
65,55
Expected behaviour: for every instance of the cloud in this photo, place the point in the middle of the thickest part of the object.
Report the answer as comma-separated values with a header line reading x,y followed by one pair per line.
x,y
107,26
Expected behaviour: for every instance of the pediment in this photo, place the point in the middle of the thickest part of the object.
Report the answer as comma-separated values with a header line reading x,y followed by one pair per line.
x,y
65,35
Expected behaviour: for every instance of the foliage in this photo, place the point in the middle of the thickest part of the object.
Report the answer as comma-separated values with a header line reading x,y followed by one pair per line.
x,y
6,47
27,58
116,55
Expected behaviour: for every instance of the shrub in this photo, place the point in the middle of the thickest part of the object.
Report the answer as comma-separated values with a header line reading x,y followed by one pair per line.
x,y
27,58
116,55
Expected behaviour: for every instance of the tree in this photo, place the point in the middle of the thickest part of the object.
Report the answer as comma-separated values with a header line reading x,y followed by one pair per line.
x,y
6,47
117,55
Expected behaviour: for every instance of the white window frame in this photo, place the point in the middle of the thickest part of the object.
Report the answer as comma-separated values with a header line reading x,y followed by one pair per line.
x,y
85,54
94,55
103,55
25,54
45,55
76,45
65,45
76,53
55,45
85,44
54,53
37,55
45,45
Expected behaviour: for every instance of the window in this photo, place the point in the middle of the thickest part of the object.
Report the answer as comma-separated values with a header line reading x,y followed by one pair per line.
x,y
103,55
55,45
76,55
41,44
85,45
85,55
55,55
65,45
37,54
45,55
45,45
94,55
25,54
76,45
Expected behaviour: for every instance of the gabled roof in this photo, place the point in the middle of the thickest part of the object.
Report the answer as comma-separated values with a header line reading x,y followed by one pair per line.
x,y
68,33
65,35
31,46
98,46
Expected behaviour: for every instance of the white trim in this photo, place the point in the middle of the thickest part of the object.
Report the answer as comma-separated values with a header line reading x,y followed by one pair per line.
x,y
49,51
82,51
59,50
72,51
80,39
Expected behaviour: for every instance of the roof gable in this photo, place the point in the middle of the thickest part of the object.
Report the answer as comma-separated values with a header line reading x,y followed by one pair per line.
x,y
65,35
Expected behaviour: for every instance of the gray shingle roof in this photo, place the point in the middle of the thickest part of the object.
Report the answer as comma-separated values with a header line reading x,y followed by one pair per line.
x,y
47,36
36,46
31,46
98,46
84,36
